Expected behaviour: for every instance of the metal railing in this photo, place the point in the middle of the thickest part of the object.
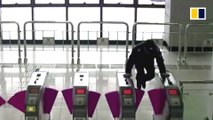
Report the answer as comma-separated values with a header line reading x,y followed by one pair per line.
x,y
47,39
18,36
114,39
99,22
186,39
49,22
180,28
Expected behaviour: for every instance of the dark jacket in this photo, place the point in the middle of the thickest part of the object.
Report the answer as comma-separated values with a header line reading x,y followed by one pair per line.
x,y
143,56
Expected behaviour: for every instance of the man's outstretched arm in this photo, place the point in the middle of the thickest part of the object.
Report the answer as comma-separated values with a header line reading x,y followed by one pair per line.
x,y
130,62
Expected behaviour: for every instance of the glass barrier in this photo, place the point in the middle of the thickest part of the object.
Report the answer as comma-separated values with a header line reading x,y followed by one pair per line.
x,y
198,97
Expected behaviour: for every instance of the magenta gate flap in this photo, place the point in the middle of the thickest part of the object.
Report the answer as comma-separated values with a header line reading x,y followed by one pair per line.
x,y
49,99
158,99
18,100
2,101
67,93
114,103
93,98
139,95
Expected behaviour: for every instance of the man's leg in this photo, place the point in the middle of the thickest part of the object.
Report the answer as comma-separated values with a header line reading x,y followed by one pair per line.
x,y
150,73
143,83
138,82
140,77
141,80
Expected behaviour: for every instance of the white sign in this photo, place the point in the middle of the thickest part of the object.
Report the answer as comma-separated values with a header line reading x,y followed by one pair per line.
x,y
48,41
102,41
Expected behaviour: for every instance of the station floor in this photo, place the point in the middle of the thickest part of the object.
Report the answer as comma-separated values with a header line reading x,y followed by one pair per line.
x,y
103,66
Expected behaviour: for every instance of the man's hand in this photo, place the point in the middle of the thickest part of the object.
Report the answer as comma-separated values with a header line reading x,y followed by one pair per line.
x,y
164,76
127,75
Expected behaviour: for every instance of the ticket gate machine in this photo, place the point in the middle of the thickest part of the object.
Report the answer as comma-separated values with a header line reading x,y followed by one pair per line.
x,y
80,97
80,101
36,102
34,93
124,102
174,99
167,101
127,98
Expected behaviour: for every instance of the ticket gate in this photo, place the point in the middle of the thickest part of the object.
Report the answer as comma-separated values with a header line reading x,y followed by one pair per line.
x,y
175,100
167,102
80,101
36,102
124,102
127,100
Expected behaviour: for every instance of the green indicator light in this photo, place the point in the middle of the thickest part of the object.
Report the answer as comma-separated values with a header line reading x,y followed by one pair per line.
x,y
31,109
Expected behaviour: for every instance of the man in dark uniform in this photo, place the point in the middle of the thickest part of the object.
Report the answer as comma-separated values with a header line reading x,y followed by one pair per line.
x,y
142,57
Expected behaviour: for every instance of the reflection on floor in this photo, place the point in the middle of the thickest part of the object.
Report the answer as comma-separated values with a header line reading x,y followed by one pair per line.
x,y
102,68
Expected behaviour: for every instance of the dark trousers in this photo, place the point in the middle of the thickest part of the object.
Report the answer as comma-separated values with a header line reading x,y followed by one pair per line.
x,y
142,77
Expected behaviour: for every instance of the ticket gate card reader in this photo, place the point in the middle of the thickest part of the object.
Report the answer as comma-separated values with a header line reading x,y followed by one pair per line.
x,y
127,99
80,96
175,103
171,101
34,103
124,102
36,100
174,99
80,101
34,95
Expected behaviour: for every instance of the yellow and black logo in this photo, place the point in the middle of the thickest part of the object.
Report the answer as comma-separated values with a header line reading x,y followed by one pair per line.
x,y
197,13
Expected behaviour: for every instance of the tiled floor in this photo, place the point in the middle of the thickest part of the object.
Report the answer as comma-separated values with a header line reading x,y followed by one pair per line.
x,y
102,68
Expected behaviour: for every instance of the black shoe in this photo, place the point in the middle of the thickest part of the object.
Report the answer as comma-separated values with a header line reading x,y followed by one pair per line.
x,y
143,85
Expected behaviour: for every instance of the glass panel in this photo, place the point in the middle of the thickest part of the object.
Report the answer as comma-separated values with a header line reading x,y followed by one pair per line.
x,y
49,1
50,30
15,1
201,95
118,31
151,15
84,1
160,2
20,15
52,14
119,1
88,31
154,15
144,2
58,83
8,84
